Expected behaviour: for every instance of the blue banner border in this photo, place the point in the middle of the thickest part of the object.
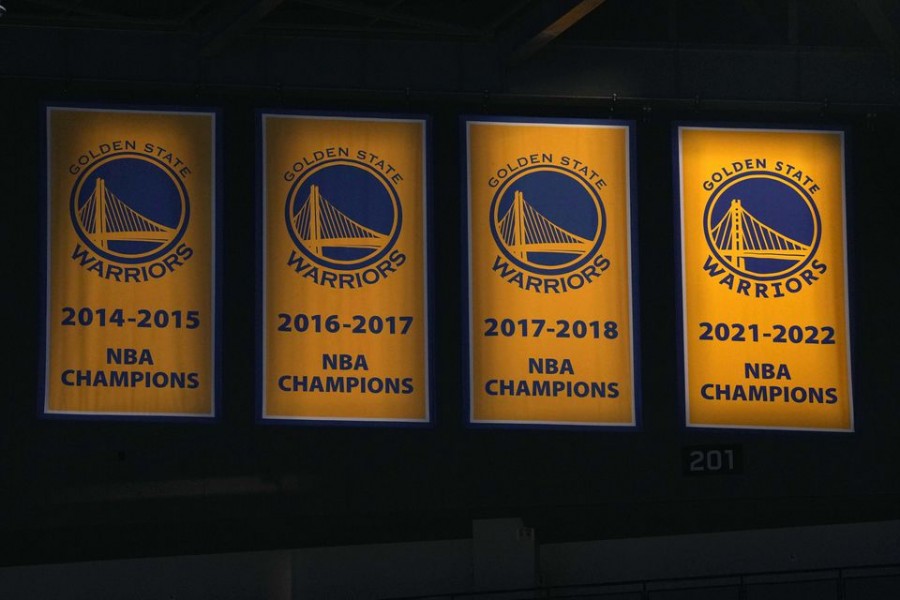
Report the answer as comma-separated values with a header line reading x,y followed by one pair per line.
x,y
681,365
217,270
466,347
260,417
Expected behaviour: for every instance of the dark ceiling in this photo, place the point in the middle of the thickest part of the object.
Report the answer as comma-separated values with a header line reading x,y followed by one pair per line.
x,y
848,24
836,52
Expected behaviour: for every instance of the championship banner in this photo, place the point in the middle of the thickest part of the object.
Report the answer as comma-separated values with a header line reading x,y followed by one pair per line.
x,y
131,263
764,279
551,310
344,326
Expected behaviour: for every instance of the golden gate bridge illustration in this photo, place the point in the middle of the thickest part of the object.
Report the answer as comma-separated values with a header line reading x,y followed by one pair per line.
x,y
320,225
739,235
105,218
523,229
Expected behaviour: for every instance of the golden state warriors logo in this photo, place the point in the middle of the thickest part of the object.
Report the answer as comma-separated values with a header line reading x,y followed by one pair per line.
x,y
130,210
763,230
549,224
344,216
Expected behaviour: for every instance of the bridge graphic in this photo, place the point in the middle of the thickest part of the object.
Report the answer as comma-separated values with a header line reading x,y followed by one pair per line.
x,y
739,235
105,218
320,225
523,229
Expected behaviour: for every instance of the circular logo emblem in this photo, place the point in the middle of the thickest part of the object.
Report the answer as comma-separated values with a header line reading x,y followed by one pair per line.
x,y
762,226
547,220
343,214
129,207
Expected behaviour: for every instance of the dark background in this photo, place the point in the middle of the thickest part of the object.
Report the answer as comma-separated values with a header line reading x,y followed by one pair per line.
x,y
77,490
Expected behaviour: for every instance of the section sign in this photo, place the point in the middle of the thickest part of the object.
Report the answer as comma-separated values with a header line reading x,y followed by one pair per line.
x,y
551,310
131,263
344,325
766,335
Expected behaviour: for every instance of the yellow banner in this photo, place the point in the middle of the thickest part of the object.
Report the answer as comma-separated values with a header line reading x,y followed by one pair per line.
x,y
130,263
763,248
551,323
344,324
